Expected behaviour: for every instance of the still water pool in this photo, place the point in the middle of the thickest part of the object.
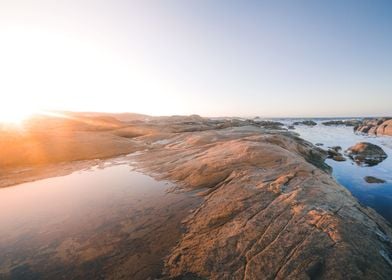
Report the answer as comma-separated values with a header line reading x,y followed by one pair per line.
x,y
100,223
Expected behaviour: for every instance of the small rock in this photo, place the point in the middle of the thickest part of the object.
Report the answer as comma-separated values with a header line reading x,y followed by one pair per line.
x,y
333,153
336,148
374,180
339,158
307,122
319,144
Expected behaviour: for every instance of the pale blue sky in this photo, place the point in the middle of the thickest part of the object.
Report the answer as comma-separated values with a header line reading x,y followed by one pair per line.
x,y
214,58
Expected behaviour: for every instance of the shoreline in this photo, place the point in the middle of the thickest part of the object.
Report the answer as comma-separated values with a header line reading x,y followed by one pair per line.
x,y
269,201
293,203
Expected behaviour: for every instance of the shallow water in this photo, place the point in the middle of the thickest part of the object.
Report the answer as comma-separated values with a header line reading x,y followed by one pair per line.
x,y
108,222
349,174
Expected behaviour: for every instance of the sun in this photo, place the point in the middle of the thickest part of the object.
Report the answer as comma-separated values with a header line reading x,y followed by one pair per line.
x,y
15,115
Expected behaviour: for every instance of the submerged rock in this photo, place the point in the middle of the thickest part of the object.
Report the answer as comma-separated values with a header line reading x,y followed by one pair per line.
x,y
366,154
374,180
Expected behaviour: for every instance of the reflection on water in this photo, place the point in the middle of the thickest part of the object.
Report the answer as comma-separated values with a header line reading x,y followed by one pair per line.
x,y
349,174
111,223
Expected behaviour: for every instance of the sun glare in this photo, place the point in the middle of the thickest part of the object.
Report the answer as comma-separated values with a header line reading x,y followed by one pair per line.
x,y
15,116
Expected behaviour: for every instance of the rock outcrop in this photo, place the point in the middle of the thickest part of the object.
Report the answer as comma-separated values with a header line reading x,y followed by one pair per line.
x,y
380,126
367,154
271,211
342,123
306,122
270,124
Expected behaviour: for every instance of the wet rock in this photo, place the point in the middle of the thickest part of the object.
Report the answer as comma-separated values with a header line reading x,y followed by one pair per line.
x,y
342,123
319,144
291,127
366,154
339,158
306,122
336,148
333,153
374,180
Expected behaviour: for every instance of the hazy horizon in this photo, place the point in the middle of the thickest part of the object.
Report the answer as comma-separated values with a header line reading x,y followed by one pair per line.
x,y
220,116
212,58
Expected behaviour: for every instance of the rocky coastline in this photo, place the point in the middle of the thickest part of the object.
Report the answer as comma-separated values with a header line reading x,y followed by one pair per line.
x,y
271,209
375,126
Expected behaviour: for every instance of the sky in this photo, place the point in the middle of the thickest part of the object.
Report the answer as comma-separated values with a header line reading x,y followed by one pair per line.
x,y
213,58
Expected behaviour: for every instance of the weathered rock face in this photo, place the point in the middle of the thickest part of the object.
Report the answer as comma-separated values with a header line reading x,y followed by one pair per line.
x,y
307,122
385,128
270,208
342,123
268,213
381,126
366,154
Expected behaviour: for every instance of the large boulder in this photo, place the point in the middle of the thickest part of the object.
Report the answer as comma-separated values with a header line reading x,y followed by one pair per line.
x,y
379,126
366,154
385,128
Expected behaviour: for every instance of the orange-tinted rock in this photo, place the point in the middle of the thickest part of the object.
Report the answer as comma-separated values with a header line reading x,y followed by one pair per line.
x,y
268,213
271,210
381,126
364,153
